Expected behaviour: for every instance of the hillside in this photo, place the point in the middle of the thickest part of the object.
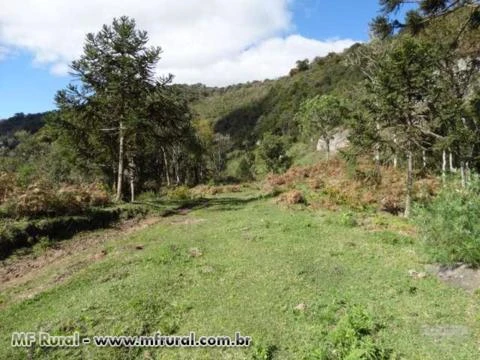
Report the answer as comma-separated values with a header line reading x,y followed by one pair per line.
x,y
246,111
30,123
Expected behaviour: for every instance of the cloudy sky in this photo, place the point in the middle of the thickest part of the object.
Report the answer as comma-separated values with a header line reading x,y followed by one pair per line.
x,y
216,42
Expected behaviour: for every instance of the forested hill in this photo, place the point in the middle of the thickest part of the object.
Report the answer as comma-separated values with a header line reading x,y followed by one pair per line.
x,y
246,111
30,123
252,108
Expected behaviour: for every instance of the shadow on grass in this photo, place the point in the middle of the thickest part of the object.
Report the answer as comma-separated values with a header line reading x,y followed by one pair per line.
x,y
182,207
24,234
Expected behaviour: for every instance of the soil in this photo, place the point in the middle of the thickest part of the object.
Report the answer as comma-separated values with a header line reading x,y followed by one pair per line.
x,y
461,276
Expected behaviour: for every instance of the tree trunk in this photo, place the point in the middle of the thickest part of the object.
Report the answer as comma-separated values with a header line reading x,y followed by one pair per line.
x,y
131,173
444,167
327,146
462,174
408,198
165,161
175,167
468,173
118,196
424,159
377,149
395,157
450,159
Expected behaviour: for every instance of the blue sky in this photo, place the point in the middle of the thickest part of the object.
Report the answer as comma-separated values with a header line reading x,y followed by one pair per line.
x,y
33,63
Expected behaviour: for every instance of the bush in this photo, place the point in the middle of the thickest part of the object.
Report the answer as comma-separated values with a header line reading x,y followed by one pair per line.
x,y
292,197
449,225
40,200
354,337
147,196
243,171
273,152
179,193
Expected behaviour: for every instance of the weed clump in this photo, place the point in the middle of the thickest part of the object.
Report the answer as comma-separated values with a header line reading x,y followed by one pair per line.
x,y
179,193
449,226
39,199
354,337
291,198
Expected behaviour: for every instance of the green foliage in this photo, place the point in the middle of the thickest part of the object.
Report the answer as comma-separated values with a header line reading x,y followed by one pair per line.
x,y
348,219
241,166
450,226
354,338
24,233
244,170
179,193
247,111
30,123
121,117
147,196
425,12
320,116
273,152
264,352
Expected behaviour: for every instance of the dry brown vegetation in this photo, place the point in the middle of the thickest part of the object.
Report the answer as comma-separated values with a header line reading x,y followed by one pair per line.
x,y
291,197
41,199
331,185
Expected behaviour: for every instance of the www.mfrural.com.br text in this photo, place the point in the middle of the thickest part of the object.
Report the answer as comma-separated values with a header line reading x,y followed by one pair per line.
x,y
44,339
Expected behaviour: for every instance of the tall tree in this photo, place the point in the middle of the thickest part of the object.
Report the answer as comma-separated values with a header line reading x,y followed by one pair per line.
x,y
404,84
320,116
426,11
116,99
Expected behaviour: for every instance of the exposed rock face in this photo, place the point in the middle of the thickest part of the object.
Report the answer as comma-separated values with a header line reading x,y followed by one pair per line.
x,y
339,141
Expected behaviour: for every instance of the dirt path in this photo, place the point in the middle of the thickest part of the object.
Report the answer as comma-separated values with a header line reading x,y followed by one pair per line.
x,y
65,257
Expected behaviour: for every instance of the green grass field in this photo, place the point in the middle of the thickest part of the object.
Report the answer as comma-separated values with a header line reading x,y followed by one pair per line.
x,y
242,263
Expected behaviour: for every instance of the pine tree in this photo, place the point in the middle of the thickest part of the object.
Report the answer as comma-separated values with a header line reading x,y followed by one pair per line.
x,y
119,104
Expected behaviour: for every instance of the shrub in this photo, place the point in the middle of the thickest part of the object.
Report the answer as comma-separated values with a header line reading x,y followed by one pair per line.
x,y
449,225
179,193
6,186
147,196
292,197
348,219
243,171
273,152
42,200
354,337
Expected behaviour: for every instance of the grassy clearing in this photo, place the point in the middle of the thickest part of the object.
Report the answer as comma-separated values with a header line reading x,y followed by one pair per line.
x,y
259,261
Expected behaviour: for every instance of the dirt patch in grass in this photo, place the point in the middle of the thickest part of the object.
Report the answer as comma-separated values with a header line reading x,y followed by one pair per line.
x,y
187,221
461,276
444,332
214,190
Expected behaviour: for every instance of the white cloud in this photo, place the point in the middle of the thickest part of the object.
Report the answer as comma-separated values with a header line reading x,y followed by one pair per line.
x,y
4,52
216,42
271,58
